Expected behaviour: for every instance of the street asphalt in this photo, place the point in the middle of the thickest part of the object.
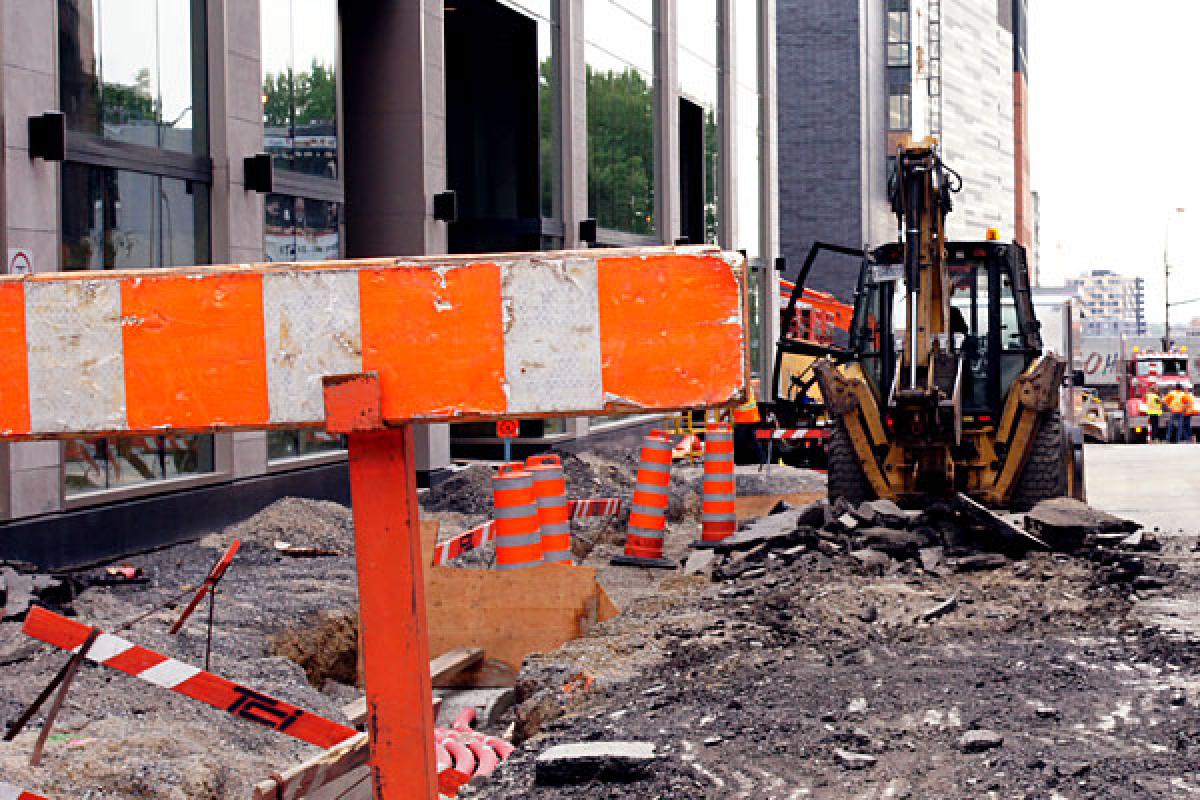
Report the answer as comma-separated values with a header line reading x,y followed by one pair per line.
x,y
1156,484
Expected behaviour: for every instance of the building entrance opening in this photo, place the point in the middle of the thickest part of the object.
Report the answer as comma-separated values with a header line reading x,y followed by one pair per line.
x,y
493,153
691,172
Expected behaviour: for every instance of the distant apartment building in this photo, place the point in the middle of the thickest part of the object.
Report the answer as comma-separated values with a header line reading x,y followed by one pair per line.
x,y
856,78
1112,304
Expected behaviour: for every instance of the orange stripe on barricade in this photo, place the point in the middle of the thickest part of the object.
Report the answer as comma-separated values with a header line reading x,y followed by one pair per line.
x,y
194,351
657,371
14,368
436,338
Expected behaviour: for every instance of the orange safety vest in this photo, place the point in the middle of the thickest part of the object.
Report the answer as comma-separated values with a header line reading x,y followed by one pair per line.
x,y
1174,400
747,413
1187,403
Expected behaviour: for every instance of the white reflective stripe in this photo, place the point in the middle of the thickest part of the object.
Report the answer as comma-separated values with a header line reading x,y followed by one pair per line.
x,y
311,329
552,501
169,673
515,512
105,647
76,356
552,334
518,540
557,556
9,792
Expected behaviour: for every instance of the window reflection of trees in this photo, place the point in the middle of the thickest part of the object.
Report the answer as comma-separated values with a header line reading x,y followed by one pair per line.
x,y
621,150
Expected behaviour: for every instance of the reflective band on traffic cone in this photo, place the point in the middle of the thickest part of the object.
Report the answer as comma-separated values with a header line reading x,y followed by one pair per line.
x,y
550,489
648,516
518,539
718,512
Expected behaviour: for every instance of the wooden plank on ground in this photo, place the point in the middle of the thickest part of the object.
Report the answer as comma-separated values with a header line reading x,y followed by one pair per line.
x,y
445,667
753,506
324,768
515,613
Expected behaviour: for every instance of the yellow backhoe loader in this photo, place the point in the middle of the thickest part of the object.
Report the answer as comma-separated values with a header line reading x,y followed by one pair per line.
x,y
947,388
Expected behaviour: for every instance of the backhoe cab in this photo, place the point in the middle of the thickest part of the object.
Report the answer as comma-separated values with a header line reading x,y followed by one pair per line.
x,y
948,388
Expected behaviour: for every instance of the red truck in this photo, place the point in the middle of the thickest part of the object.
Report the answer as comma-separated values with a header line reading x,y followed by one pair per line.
x,y
1141,371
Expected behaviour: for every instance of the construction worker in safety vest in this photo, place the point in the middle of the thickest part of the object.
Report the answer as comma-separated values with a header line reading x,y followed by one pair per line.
x,y
1154,410
1189,409
1174,401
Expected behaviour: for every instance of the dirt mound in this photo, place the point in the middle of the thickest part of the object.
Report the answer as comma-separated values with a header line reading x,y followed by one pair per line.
x,y
299,521
326,647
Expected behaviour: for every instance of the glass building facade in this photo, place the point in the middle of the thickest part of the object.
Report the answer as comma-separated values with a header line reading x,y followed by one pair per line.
x,y
631,113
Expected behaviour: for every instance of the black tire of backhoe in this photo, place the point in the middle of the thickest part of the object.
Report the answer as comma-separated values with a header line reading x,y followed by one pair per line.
x,y
846,478
1045,474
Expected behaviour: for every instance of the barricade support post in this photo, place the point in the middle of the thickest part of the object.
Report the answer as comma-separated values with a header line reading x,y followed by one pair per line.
x,y
394,633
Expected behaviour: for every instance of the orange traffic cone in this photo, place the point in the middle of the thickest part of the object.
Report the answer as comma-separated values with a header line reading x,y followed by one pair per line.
x,y
648,516
550,489
718,511
518,538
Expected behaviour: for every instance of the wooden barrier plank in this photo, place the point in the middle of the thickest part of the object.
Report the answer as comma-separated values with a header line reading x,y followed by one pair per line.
x,y
303,779
451,338
443,668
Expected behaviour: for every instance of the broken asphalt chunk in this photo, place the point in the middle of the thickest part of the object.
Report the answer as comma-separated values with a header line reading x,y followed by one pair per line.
x,y
585,762
940,610
852,760
978,741
1065,523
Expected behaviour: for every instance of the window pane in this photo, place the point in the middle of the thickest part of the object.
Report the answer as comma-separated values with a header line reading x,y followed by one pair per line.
x,y
175,75
299,63
620,80
126,71
121,219
133,460
78,64
129,70
132,233
279,233
317,231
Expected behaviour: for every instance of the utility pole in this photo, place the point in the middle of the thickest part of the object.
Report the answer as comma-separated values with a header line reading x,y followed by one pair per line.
x,y
1166,342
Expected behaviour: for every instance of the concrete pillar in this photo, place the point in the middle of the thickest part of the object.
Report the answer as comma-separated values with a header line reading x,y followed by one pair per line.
x,y
666,121
394,141
235,131
768,187
727,221
572,82
31,472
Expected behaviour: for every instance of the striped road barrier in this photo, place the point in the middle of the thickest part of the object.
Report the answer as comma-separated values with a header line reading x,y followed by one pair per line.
x,y
647,531
718,512
168,673
554,521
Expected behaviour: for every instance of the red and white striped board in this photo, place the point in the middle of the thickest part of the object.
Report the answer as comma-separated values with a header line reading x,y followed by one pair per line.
x,y
477,537
791,434
596,507
10,792
168,673
214,577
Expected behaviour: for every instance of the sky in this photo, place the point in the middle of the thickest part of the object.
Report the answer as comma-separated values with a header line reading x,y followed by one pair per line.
x,y
1114,123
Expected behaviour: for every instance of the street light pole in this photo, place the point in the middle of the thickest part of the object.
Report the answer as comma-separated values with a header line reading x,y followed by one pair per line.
x,y
1166,342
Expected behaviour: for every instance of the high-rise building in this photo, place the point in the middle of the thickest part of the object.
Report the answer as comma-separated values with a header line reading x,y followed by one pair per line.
x,y
555,123
1112,304
856,78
